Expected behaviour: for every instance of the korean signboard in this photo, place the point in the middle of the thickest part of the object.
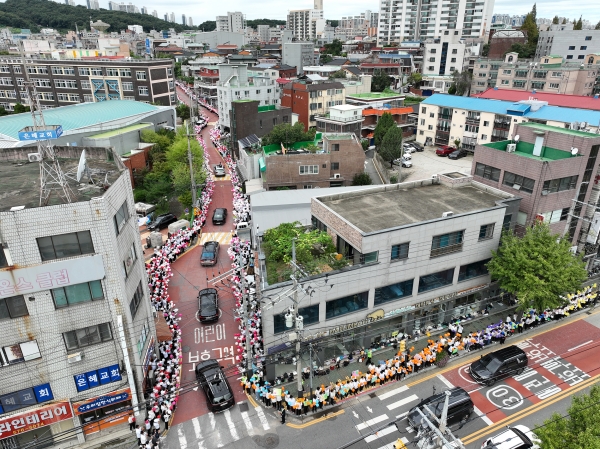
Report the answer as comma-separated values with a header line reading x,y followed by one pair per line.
x,y
24,398
147,46
101,376
102,401
33,419
21,281
53,132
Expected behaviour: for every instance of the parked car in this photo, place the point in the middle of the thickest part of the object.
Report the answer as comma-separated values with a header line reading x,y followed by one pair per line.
x,y
219,216
211,378
444,150
208,305
210,253
457,154
219,171
497,365
416,145
404,162
162,221
460,407
407,149
517,437
407,156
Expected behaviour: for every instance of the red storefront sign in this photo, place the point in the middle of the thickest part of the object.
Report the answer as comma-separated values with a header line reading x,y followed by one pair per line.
x,y
43,416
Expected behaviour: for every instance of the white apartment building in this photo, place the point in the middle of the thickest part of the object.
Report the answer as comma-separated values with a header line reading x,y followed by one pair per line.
x,y
235,83
306,23
406,20
573,45
444,55
234,22
263,33
73,302
93,4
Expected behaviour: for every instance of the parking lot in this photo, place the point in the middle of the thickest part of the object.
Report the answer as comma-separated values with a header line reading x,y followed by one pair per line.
x,y
426,164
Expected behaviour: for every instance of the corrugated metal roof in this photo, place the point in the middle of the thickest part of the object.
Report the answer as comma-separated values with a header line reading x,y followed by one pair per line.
x,y
77,116
569,101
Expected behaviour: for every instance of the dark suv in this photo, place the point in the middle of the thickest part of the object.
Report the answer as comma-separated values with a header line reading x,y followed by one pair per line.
x,y
219,216
162,221
497,365
460,407
208,305
211,378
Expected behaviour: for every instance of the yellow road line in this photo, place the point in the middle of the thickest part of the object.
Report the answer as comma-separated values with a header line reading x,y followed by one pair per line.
x,y
315,421
252,401
529,410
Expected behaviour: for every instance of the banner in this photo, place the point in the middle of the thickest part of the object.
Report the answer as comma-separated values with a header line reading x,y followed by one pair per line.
x,y
41,417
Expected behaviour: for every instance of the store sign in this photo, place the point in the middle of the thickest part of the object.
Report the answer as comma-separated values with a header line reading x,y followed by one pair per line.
x,y
53,132
370,318
24,398
103,401
22,281
33,419
101,376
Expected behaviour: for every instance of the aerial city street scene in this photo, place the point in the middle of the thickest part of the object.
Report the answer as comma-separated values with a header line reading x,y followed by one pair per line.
x,y
323,225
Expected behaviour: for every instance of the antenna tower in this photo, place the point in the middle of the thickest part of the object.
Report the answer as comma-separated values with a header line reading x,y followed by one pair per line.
x,y
52,178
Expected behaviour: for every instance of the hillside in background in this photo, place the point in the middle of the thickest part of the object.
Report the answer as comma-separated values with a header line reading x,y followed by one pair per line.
x,y
37,14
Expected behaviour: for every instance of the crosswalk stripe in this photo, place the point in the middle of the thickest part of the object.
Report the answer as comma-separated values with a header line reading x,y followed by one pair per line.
x,y
227,177
224,238
248,423
262,417
485,419
231,425
371,422
389,394
402,402
213,425
182,438
380,434
198,433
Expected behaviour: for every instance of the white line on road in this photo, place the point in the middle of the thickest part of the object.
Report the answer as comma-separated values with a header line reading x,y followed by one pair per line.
x,y
401,416
370,422
445,381
213,425
182,439
401,402
391,393
485,419
579,346
231,425
380,434
262,417
198,433
248,423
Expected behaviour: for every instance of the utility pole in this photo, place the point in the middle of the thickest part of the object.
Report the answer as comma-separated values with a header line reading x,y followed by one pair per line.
x,y
192,177
310,350
246,319
295,318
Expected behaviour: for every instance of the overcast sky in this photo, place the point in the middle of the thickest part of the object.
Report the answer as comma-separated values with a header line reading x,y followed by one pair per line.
x,y
335,9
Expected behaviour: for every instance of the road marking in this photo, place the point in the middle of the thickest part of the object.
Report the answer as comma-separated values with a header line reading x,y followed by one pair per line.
x,y
579,346
393,444
198,433
380,434
182,439
445,381
371,422
401,416
401,402
213,425
248,423
231,425
224,238
262,417
315,421
485,419
389,394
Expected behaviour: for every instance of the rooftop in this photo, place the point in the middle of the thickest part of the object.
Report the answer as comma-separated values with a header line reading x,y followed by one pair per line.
x,y
394,206
569,101
375,95
116,132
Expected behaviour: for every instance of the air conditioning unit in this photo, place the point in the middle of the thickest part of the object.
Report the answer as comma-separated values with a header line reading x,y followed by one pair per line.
x,y
447,214
511,147
74,358
337,176
34,157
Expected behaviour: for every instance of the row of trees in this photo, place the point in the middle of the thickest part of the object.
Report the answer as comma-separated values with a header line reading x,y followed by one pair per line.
x,y
287,134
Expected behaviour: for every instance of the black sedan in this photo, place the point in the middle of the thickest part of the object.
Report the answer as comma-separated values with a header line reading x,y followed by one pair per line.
x,y
416,145
219,216
162,221
457,154
210,253
208,305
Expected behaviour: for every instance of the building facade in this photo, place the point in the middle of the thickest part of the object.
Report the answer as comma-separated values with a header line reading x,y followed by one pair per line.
x,y
233,22
298,55
311,100
78,328
65,82
444,55
344,118
573,45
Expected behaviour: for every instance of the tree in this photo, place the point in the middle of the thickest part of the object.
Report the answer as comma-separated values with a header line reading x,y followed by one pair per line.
x,y
578,25
391,146
555,20
537,268
461,82
3,111
287,134
183,111
19,108
338,74
362,179
334,48
324,59
597,27
415,79
525,51
579,429
485,50
380,81
386,121
564,21
452,89
534,12
457,143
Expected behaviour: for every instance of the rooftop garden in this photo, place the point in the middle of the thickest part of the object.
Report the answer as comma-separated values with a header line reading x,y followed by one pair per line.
x,y
315,251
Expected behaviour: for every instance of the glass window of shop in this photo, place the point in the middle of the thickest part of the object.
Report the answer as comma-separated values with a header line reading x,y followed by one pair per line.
x,y
436,280
473,270
394,291
96,415
347,304
310,315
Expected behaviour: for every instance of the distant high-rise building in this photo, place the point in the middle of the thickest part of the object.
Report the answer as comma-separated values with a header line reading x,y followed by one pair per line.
x,y
190,22
172,17
144,10
305,23
318,4
183,20
93,4
130,7
70,2
113,6
234,22
155,14
166,17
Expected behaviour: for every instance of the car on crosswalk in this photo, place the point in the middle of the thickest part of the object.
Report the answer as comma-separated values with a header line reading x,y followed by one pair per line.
x,y
517,437
460,407
212,380
210,254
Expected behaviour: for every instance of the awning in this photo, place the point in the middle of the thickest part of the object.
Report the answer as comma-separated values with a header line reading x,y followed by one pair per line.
x,y
262,165
163,332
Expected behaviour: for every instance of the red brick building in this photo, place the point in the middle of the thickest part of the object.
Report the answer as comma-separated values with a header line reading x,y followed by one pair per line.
x,y
310,100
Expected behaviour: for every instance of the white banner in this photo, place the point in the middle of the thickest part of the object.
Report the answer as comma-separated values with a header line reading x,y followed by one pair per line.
x,y
592,236
22,281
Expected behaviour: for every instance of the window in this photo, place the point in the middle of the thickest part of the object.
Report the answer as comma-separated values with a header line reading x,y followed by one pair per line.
x,y
430,127
335,165
569,56
518,182
3,259
486,231
74,98
335,147
447,243
137,299
506,222
121,217
84,71
558,185
486,123
13,307
422,121
309,169
588,38
17,353
76,294
580,56
127,72
505,82
130,260
556,74
57,70
472,128
86,85
583,47
140,76
423,110
473,270
454,51
143,90
68,70
87,336
556,215
112,72
90,98
431,115
310,315
484,137
487,172
436,280
347,304
41,82
62,97
65,245
17,69
571,47
554,85
400,251
307,186
394,291
369,257
169,72
431,59
65,84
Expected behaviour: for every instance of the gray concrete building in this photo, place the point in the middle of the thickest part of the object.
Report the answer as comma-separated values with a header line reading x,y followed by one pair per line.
x,y
298,54
572,45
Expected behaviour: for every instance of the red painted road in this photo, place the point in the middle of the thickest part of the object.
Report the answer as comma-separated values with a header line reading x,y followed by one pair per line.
x,y
204,341
558,360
